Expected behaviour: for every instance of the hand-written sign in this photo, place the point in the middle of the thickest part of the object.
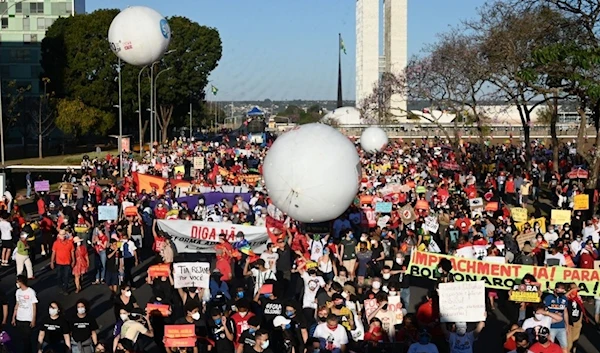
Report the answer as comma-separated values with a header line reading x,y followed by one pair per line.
x,y
180,336
395,306
526,237
581,202
462,301
108,213
199,163
383,207
560,217
519,214
191,274
526,293
42,185
370,306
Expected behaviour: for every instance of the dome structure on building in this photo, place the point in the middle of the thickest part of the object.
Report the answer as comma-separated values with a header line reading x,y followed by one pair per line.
x,y
344,116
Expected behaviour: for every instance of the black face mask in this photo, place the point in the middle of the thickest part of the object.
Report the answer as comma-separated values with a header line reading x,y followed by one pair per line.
x,y
119,351
322,318
384,307
339,306
542,339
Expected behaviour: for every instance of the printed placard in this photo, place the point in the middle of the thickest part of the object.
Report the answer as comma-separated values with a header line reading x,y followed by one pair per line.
x,y
108,213
525,293
581,202
164,309
383,207
180,336
42,185
161,270
462,301
191,274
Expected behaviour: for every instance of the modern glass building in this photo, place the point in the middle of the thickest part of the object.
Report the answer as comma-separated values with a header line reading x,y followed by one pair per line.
x,y
23,26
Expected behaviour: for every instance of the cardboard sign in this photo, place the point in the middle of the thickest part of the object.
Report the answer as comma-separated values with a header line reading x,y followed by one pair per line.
x,y
108,213
199,163
161,270
42,185
526,293
383,207
165,310
560,217
526,237
407,214
462,301
66,188
131,211
177,336
581,202
191,274
519,214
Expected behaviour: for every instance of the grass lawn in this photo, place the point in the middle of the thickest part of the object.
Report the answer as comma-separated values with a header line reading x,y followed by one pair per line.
x,y
67,159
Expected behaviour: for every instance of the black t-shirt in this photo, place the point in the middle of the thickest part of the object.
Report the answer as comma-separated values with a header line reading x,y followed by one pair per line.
x,y
3,301
247,339
55,329
575,312
284,262
81,328
217,333
199,326
271,308
112,263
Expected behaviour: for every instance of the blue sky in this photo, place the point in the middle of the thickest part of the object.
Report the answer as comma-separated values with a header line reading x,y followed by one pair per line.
x,y
287,49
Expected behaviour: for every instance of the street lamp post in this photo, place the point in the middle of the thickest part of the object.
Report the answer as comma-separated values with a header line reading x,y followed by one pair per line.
x,y
152,104
1,115
140,108
155,96
120,142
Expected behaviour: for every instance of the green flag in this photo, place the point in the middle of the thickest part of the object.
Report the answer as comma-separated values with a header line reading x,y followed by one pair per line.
x,y
214,90
342,45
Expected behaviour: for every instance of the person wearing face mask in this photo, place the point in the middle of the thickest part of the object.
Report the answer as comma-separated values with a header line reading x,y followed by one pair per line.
x,y
83,329
193,317
262,344
342,311
25,312
322,313
461,340
123,316
423,345
376,334
55,331
282,338
221,331
557,303
388,318
363,260
347,251
312,283
331,334
247,339
22,256
551,236
240,318
272,306
134,326
540,318
82,262
191,296
126,300
544,344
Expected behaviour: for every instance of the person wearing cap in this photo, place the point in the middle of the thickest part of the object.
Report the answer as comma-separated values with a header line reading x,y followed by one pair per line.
x,y
22,256
461,340
63,259
282,338
544,343
423,345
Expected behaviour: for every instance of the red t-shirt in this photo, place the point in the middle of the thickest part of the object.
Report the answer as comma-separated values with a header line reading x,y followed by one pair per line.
x,y
241,325
463,225
552,348
63,249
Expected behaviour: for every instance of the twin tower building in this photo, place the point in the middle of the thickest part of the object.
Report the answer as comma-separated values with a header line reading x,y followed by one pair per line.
x,y
370,63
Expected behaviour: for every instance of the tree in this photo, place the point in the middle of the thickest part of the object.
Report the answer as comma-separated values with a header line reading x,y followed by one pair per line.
x,y
14,104
77,119
43,121
198,51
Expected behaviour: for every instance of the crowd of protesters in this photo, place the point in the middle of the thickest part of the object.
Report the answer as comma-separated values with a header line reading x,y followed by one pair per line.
x,y
308,291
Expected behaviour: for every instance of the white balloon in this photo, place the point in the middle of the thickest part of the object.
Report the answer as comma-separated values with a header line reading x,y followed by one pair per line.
x,y
139,35
312,173
373,139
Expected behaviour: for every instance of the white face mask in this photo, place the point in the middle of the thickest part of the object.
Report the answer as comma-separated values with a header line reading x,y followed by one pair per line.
x,y
376,285
265,344
461,331
53,312
124,317
539,317
399,260
81,311
386,275
128,294
344,295
18,286
196,316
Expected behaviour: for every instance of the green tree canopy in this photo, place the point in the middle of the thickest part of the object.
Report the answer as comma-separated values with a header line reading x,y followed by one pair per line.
x,y
77,119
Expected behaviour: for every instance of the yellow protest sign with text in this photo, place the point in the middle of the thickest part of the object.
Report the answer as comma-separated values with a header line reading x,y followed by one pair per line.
x,y
519,214
581,202
560,217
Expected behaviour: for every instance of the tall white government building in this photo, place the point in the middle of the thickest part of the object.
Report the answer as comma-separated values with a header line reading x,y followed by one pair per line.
x,y
369,64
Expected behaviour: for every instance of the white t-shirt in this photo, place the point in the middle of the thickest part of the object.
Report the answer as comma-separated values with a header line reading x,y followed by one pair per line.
x,y
560,257
550,237
423,348
311,287
333,339
261,277
6,230
591,231
269,258
388,322
316,249
461,344
546,321
25,300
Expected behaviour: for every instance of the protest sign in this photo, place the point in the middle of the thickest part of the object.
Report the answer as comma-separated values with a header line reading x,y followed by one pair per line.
x,y
66,188
108,213
541,221
131,211
370,306
431,224
560,217
81,228
581,202
494,259
179,169
180,336
526,293
165,310
162,270
42,185
526,237
395,306
407,214
201,237
519,214
504,276
383,207
199,163
191,274
467,252
462,301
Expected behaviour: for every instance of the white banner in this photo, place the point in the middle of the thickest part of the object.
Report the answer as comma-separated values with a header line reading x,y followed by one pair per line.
x,y
201,237
191,274
462,301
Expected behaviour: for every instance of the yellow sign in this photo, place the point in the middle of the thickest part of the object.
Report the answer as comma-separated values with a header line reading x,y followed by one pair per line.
x,y
581,202
525,293
519,214
560,217
179,169
541,221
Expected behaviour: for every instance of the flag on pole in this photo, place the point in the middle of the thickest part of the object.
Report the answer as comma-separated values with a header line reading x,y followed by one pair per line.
x,y
342,45
214,90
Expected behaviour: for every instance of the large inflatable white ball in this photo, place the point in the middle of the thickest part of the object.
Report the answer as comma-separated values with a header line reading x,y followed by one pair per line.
x,y
373,140
139,35
312,173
